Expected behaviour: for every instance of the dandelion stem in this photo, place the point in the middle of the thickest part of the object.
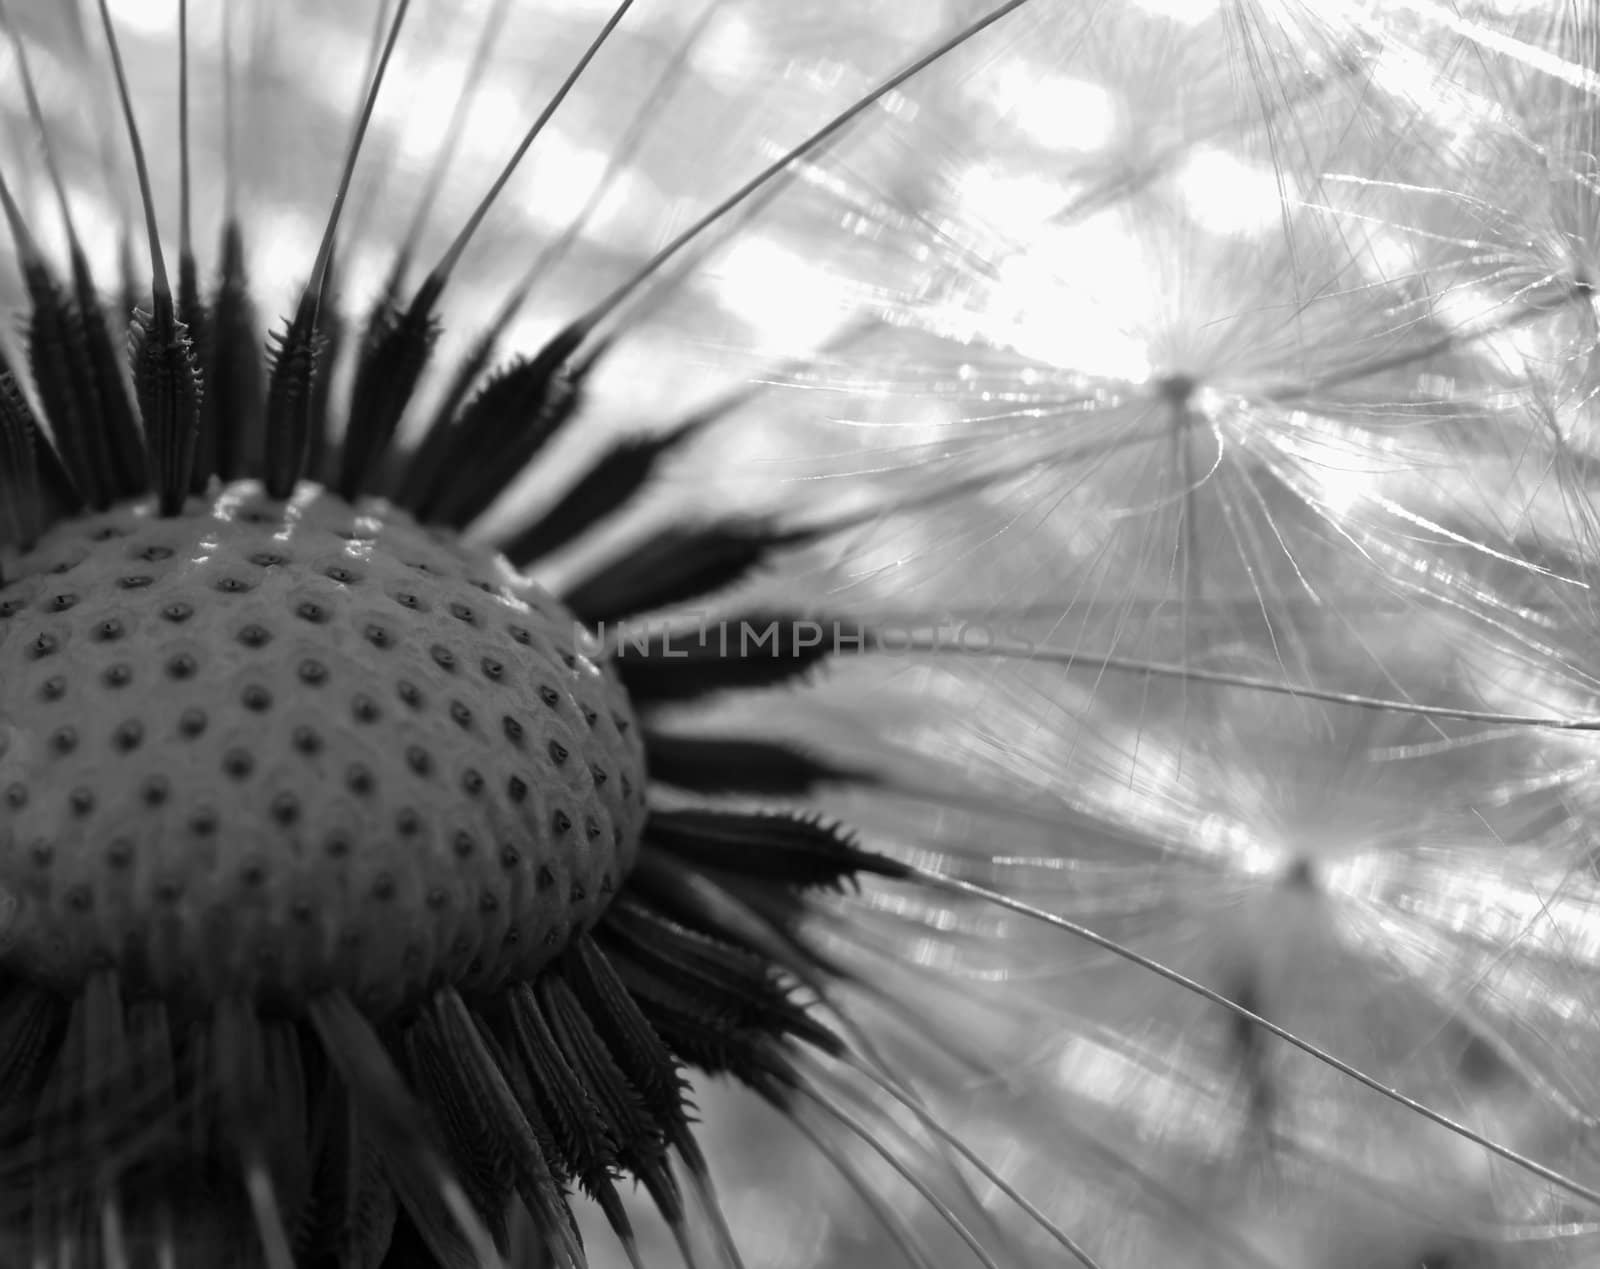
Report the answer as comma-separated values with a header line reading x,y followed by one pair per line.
x,y
898,1230
319,272
453,254
1097,662
786,160
36,114
1087,935
488,37
158,265
909,1175
616,161
931,1122
185,209
230,157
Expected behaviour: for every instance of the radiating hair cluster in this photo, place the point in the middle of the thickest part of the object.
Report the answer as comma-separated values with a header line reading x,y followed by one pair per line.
x,y
1098,739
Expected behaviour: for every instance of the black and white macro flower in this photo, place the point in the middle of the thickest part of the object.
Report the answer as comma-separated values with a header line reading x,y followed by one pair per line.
x,y
363,901
1010,584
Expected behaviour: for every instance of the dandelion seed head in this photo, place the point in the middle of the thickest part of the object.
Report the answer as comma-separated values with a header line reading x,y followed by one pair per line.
x,y
247,579
447,1071
1156,344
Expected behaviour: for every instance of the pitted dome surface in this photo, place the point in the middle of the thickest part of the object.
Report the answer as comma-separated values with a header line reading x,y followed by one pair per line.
x,y
269,747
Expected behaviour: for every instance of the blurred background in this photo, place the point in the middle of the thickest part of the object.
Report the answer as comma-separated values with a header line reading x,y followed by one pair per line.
x,y
1219,375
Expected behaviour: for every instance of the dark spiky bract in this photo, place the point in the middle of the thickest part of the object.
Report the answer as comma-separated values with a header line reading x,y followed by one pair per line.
x,y
166,378
297,1119
311,1099
197,1076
